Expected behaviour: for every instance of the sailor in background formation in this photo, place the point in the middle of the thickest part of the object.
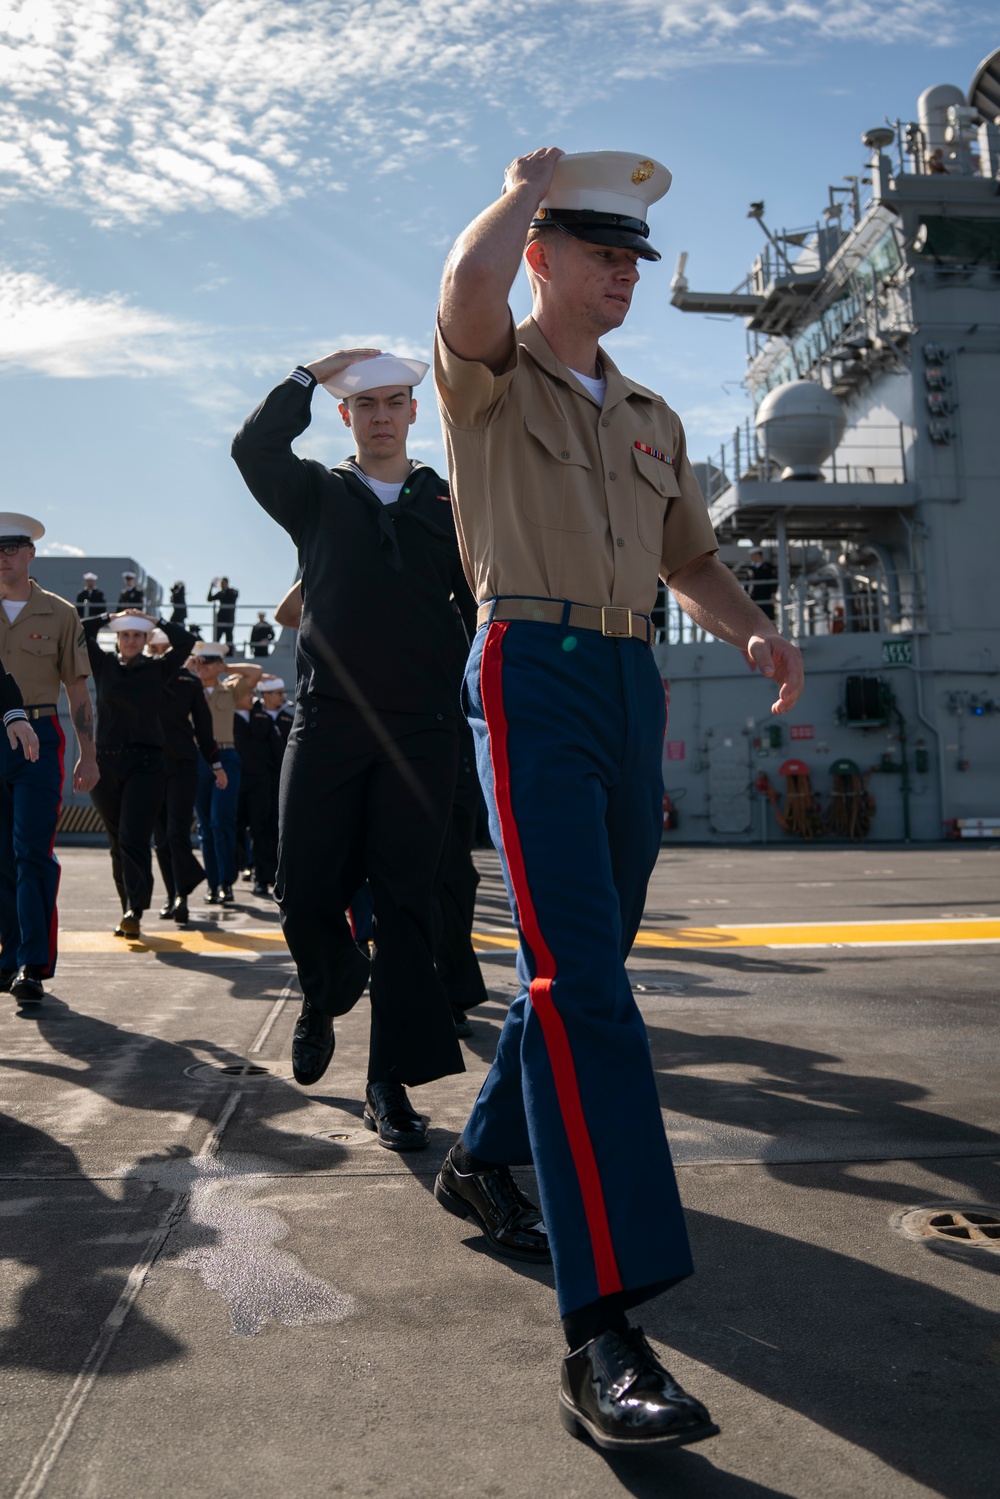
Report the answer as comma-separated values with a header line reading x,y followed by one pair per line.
x,y
131,596
369,770
90,600
42,646
261,635
223,596
217,799
573,492
130,687
187,735
260,748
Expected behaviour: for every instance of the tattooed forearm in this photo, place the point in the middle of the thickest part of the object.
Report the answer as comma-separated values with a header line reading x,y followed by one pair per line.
x,y
83,720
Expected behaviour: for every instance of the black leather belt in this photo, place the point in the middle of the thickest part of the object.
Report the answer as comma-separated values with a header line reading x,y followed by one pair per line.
x,y
615,622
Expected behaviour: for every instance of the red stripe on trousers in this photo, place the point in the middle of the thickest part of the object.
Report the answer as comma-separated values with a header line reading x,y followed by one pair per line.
x,y
54,920
553,1030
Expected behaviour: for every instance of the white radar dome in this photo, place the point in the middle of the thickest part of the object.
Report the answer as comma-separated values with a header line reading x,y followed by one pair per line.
x,y
800,424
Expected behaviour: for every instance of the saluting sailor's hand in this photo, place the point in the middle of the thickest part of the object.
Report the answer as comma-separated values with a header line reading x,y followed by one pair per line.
x,y
20,732
334,364
533,171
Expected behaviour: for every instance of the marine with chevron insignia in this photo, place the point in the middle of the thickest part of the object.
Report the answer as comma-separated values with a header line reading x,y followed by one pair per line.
x,y
369,770
573,494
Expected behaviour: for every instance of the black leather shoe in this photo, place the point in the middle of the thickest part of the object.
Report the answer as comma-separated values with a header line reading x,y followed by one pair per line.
x,y
27,987
390,1114
167,911
180,912
615,1390
129,925
6,979
226,896
511,1222
462,1027
212,897
313,1042
261,890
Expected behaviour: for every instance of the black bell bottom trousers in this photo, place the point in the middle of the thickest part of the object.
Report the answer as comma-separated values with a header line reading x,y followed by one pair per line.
x,y
128,796
368,795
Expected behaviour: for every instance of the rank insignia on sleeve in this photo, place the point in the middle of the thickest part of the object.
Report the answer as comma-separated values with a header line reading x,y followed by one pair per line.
x,y
653,452
446,498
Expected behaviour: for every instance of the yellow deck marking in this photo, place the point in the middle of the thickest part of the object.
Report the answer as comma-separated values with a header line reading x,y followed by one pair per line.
x,y
800,934
207,940
211,941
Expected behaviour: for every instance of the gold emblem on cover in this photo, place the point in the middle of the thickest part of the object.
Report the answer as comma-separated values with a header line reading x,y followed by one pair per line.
x,y
542,213
643,172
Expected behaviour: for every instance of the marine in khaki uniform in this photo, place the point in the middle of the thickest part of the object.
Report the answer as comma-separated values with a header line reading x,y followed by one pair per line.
x,y
42,646
573,494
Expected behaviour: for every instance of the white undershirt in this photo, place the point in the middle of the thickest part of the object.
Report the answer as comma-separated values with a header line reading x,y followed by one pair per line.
x,y
244,714
598,388
387,493
12,608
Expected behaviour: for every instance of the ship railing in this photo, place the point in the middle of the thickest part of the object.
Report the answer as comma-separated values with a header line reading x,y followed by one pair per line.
x,y
827,595
202,620
872,454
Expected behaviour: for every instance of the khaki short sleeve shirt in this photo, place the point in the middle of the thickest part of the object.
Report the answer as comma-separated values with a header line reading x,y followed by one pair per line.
x,y
221,702
557,497
44,647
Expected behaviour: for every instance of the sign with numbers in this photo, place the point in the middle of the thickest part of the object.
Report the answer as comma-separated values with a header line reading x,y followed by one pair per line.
x,y
897,653
801,731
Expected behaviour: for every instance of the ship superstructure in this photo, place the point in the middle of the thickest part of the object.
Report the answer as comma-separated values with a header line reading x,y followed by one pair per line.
x,y
870,475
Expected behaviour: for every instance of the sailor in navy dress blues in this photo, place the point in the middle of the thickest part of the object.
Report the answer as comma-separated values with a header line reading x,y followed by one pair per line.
x,y
130,741
369,770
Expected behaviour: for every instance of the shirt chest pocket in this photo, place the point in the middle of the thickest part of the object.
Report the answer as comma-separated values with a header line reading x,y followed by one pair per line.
x,y
39,645
557,489
655,486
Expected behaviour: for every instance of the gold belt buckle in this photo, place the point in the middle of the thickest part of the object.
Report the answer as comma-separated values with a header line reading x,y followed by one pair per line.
x,y
611,626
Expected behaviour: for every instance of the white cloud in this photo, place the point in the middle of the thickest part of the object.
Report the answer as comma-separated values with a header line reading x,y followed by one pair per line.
x,y
58,332
133,109
60,549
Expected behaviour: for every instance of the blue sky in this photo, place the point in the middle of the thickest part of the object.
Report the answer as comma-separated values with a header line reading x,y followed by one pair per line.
x,y
196,195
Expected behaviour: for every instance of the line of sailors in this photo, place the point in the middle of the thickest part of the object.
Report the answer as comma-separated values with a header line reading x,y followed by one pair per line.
x,y
181,734
167,744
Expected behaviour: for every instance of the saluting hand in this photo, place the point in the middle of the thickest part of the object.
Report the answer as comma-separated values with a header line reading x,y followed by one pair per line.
x,y
333,364
20,732
533,171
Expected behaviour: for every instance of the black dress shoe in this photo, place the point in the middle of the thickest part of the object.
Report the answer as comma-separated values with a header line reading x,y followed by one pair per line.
x,y
27,987
390,1114
615,1390
260,890
129,925
167,911
462,1027
226,896
312,1045
212,897
511,1222
180,912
